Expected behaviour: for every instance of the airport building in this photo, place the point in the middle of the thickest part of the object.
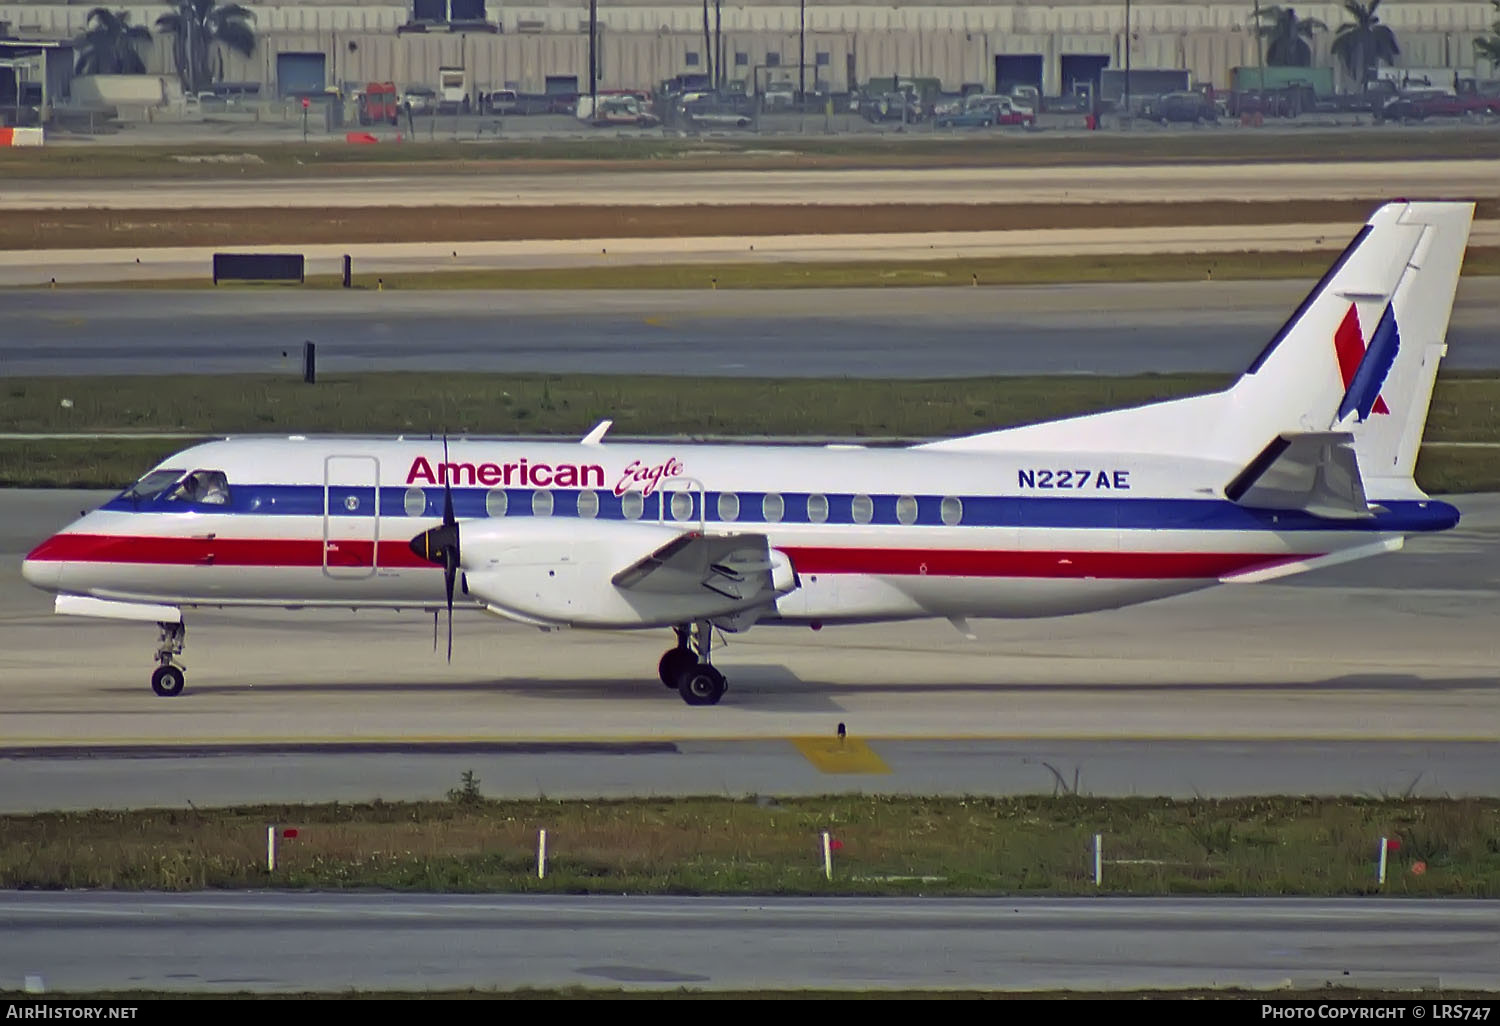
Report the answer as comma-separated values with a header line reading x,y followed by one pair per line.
x,y
310,46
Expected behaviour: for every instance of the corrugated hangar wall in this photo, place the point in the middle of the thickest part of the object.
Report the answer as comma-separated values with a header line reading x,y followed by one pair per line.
x,y
643,44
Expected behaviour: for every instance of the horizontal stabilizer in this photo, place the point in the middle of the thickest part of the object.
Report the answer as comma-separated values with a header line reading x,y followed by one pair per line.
x,y
1316,472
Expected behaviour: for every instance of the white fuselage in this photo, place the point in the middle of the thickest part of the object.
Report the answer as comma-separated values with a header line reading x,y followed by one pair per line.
x,y
872,534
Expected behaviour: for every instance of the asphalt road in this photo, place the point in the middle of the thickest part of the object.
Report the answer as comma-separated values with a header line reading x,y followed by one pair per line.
x,y
267,942
1372,678
888,333
1465,179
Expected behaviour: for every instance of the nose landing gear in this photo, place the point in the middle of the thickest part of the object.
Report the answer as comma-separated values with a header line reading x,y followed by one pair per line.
x,y
169,677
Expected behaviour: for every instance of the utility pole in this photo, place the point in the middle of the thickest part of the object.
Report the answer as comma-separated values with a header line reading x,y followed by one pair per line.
x,y
1127,58
718,80
593,58
801,51
707,43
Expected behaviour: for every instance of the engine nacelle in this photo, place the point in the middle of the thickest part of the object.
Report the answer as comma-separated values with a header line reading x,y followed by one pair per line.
x,y
608,574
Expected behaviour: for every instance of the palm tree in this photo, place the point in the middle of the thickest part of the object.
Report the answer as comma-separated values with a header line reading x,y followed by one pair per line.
x,y
1288,37
1364,43
1489,48
195,24
108,45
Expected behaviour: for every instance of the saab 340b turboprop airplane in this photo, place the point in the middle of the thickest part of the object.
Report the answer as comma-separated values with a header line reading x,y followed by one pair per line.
x,y
1304,462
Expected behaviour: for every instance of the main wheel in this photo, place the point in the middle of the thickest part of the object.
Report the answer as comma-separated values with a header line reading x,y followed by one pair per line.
x,y
673,665
167,681
701,684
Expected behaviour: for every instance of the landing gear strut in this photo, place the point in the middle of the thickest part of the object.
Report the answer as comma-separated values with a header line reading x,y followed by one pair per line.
x,y
686,667
169,677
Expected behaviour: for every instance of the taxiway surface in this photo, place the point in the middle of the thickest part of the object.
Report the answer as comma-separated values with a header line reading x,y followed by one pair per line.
x,y
1458,179
1164,327
1373,677
304,942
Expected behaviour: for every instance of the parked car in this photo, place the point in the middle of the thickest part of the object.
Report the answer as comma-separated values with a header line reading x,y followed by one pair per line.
x,y
889,107
504,101
1189,107
419,99
616,110
986,111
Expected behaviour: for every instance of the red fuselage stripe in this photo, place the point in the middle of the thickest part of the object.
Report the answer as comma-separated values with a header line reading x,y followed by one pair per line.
x,y
308,552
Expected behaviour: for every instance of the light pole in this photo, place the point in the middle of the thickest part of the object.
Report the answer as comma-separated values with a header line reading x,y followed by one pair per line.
x,y
593,58
1260,55
801,52
1127,58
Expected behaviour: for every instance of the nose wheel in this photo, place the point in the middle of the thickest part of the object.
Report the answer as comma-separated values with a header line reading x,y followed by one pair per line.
x,y
169,678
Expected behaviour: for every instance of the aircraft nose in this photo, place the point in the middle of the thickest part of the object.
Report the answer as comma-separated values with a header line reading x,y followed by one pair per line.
x,y
42,573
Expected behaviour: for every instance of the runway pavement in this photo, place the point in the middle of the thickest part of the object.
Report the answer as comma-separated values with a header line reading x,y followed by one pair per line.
x,y
337,942
84,266
1467,179
1202,326
1258,689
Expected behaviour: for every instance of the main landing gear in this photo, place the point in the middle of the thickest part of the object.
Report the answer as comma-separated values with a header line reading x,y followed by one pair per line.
x,y
686,668
169,677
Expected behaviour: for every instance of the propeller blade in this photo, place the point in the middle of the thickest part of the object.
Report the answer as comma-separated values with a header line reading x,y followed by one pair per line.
x,y
450,575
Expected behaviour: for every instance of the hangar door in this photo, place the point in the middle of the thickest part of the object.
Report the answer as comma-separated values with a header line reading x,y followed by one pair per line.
x,y
1017,69
298,74
1082,69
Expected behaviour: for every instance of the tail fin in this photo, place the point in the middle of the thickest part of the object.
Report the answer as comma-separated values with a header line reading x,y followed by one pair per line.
x,y
1359,356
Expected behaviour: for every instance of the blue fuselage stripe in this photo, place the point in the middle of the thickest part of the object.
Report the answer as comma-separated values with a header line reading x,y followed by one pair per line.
x,y
1133,514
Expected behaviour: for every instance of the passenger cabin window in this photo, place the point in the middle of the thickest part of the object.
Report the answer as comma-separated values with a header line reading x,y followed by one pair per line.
x,y
729,506
152,485
771,508
632,505
906,509
682,506
541,503
588,504
414,502
862,509
206,486
496,502
817,509
953,511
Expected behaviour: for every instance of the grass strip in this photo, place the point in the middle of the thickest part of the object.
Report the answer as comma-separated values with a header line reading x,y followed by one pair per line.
x,y
965,271
887,846
1465,408
232,225
322,158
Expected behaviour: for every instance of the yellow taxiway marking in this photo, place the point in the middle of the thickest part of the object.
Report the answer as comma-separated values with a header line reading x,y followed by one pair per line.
x,y
840,755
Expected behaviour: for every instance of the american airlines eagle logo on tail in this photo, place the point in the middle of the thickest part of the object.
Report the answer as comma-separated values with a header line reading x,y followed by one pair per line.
x,y
1365,368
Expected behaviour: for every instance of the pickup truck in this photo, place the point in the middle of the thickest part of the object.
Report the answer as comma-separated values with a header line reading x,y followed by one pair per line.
x,y
1420,105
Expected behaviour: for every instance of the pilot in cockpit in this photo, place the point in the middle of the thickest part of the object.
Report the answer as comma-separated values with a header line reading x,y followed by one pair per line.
x,y
203,486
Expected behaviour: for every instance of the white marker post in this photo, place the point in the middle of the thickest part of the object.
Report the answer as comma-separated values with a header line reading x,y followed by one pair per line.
x,y
827,855
541,855
1098,859
271,848
1384,846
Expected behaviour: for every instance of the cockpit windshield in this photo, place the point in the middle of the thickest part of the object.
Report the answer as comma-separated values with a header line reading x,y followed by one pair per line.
x,y
152,485
208,486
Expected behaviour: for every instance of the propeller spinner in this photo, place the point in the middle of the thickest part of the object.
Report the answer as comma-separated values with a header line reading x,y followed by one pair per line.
x,y
440,545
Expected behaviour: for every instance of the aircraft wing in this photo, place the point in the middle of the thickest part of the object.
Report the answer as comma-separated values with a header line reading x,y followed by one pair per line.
x,y
1314,471
741,567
